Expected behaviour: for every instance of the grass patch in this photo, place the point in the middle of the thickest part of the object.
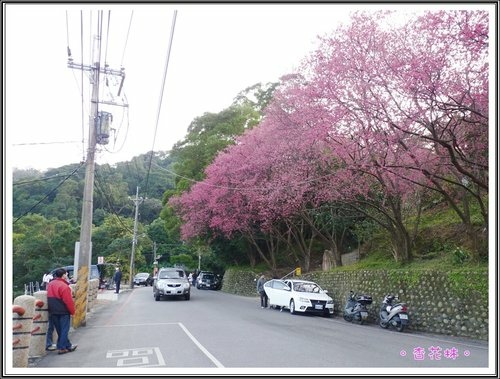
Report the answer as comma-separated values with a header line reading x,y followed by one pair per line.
x,y
438,217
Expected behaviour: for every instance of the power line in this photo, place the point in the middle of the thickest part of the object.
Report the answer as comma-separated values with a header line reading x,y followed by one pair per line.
x,y
107,40
111,207
161,96
126,40
48,194
83,103
38,180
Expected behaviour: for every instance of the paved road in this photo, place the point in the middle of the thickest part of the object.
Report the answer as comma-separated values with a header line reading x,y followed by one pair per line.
x,y
215,332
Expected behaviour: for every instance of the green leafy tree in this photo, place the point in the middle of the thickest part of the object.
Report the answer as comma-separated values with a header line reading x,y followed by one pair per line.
x,y
40,244
207,135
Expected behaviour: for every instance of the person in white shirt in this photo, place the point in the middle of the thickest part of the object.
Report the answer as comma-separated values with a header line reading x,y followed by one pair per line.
x,y
47,277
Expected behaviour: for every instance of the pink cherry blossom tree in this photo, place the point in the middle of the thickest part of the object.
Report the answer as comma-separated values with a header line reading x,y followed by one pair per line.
x,y
420,90
376,117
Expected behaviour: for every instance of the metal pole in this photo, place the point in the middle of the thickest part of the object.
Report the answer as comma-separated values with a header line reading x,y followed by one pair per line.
x,y
155,258
136,201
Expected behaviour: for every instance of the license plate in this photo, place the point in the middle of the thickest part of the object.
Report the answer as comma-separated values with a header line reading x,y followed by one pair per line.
x,y
403,316
318,306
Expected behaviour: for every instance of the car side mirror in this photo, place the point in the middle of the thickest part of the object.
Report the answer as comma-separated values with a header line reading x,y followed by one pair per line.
x,y
324,291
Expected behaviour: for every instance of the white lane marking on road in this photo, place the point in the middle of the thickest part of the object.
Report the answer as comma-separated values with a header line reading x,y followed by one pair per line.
x,y
201,347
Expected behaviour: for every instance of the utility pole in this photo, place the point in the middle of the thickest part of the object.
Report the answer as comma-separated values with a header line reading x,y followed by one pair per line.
x,y
136,201
155,262
84,251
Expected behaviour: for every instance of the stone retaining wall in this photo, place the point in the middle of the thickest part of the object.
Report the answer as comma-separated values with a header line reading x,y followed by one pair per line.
x,y
450,303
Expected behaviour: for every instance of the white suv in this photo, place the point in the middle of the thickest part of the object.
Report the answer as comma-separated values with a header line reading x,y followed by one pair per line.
x,y
171,282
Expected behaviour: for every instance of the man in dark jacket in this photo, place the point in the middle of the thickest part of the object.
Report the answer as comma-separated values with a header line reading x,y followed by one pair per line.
x,y
117,278
61,308
261,291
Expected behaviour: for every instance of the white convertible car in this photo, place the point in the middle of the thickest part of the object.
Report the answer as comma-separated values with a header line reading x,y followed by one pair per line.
x,y
299,296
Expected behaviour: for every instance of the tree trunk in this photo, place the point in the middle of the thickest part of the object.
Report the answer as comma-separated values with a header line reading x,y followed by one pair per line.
x,y
327,260
337,257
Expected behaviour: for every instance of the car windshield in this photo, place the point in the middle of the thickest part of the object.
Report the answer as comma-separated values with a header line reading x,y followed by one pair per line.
x,y
306,287
142,275
171,275
208,276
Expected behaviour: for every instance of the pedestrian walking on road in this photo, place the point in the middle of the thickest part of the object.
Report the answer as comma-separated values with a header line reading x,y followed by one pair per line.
x,y
262,293
117,279
61,308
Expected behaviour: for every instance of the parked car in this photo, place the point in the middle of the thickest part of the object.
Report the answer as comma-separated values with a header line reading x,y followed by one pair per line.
x,y
299,296
171,282
94,271
143,279
206,280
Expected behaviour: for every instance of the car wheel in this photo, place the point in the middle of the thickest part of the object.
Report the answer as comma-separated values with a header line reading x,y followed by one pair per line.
x,y
157,297
187,296
292,307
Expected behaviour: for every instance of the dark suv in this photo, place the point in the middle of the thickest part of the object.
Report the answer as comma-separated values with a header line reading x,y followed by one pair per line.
x,y
143,278
94,271
206,280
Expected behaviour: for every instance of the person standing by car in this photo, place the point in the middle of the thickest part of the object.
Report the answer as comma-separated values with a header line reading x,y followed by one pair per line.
x,y
117,278
47,277
262,293
61,308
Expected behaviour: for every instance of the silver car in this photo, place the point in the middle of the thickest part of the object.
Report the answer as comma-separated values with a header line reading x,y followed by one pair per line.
x,y
171,281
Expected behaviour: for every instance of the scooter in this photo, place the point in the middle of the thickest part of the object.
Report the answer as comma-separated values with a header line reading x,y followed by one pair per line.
x,y
395,315
356,307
